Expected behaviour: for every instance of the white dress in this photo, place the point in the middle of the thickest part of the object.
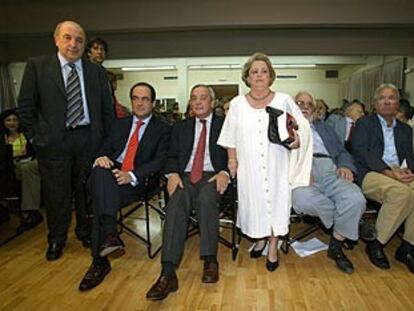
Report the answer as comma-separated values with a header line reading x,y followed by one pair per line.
x,y
266,172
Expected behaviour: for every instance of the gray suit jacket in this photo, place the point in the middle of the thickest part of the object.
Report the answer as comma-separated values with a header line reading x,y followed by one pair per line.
x,y
335,147
42,102
338,123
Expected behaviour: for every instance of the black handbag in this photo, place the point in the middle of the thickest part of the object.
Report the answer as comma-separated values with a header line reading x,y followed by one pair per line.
x,y
273,130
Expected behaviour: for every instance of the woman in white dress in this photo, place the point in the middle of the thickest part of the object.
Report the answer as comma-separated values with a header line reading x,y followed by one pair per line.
x,y
266,172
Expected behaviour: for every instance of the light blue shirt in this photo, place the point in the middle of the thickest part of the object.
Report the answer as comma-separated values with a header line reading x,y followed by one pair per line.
x,y
142,129
65,68
390,155
318,145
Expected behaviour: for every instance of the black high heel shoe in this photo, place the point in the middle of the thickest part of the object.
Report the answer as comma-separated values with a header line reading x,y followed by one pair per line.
x,y
257,253
271,266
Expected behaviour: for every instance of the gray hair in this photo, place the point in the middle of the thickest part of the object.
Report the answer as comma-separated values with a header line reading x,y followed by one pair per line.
x,y
258,57
386,86
59,25
209,88
306,93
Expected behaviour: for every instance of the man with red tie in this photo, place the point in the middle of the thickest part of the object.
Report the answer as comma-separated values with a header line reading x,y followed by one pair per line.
x,y
196,172
135,149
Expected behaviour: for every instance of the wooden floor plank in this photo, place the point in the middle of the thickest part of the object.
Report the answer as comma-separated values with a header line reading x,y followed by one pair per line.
x,y
29,282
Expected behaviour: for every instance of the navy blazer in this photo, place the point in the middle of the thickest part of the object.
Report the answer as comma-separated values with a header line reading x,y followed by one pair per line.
x,y
368,145
182,141
42,102
335,147
153,147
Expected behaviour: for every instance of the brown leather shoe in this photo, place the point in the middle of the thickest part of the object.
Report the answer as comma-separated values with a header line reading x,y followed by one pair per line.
x,y
162,288
210,272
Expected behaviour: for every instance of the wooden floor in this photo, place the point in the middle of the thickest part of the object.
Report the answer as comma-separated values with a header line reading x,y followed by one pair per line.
x,y
29,282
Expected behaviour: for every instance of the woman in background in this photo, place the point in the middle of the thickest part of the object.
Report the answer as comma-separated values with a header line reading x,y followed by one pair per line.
x,y
26,168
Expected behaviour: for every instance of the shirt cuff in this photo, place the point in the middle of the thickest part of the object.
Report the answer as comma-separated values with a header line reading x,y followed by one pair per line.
x,y
134,181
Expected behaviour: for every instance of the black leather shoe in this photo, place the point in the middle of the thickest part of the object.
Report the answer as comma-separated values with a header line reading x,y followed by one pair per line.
x,y
110,245
210,272
95,275
54,251
367,232
86,242
342,262
271,266
376,254
32,219
257,253
405,257
162,288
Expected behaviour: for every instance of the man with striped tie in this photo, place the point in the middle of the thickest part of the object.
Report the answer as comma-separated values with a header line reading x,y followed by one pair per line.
x,y
66,109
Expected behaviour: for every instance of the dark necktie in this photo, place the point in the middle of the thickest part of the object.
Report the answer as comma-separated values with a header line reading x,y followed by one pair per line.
x,y
198,162
133,144
351,131
74,112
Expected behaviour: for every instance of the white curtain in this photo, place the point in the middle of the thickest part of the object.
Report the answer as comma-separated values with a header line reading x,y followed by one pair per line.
x,y
371,79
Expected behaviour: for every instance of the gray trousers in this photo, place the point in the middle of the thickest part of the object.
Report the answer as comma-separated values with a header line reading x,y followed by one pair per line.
x,y
28,173
204,199
334,200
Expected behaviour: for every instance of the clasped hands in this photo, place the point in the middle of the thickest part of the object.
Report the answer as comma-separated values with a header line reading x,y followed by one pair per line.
x,y
403,175
221,179
122,178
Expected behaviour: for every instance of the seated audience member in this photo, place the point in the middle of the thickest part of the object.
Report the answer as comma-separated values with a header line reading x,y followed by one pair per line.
x,y
196,170
226,107
331,196
135,149
344,125
382,147
26,168
321,110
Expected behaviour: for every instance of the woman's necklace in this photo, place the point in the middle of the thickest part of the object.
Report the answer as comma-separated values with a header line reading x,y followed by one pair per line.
x,y
260,98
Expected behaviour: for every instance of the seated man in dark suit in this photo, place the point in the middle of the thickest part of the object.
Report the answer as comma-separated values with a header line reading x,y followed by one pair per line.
x,y
135,149
332,196
382,147
196,171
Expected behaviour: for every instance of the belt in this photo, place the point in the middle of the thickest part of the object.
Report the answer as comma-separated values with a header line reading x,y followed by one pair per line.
x,y
79,127
321,155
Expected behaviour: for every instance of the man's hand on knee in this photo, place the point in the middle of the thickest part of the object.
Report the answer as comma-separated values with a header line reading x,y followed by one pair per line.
x,y
222,181
174,181
103,162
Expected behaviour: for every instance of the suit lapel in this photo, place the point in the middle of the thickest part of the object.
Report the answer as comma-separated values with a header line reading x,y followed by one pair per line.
x,y
214,133
146,138
87,80
55,72
399,142
377,130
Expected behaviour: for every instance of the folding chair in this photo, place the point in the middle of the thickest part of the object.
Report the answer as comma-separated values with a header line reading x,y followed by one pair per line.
x,y
312,224
155,186
227,220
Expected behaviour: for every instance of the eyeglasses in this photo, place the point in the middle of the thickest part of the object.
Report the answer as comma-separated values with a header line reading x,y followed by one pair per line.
x,y
304,104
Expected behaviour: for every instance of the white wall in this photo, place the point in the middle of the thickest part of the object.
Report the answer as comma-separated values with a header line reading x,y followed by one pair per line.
x,y
409,80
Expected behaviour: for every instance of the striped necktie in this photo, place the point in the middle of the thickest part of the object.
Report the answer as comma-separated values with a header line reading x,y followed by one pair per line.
x,y
74,112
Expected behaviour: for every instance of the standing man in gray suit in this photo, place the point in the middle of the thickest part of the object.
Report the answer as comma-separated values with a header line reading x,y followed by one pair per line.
x,y
196,169
66,108
332,196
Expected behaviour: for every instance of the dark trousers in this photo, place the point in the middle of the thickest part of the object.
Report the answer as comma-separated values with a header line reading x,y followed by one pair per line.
x,y
204,199
63,168
107,197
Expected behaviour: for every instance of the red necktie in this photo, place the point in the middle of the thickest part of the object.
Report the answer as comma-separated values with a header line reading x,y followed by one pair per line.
x,y
198,162
133,144
351,130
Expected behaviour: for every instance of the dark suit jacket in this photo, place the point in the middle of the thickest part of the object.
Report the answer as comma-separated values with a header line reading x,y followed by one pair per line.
x,y
153,147
181,146
368,145
335,147
42,102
